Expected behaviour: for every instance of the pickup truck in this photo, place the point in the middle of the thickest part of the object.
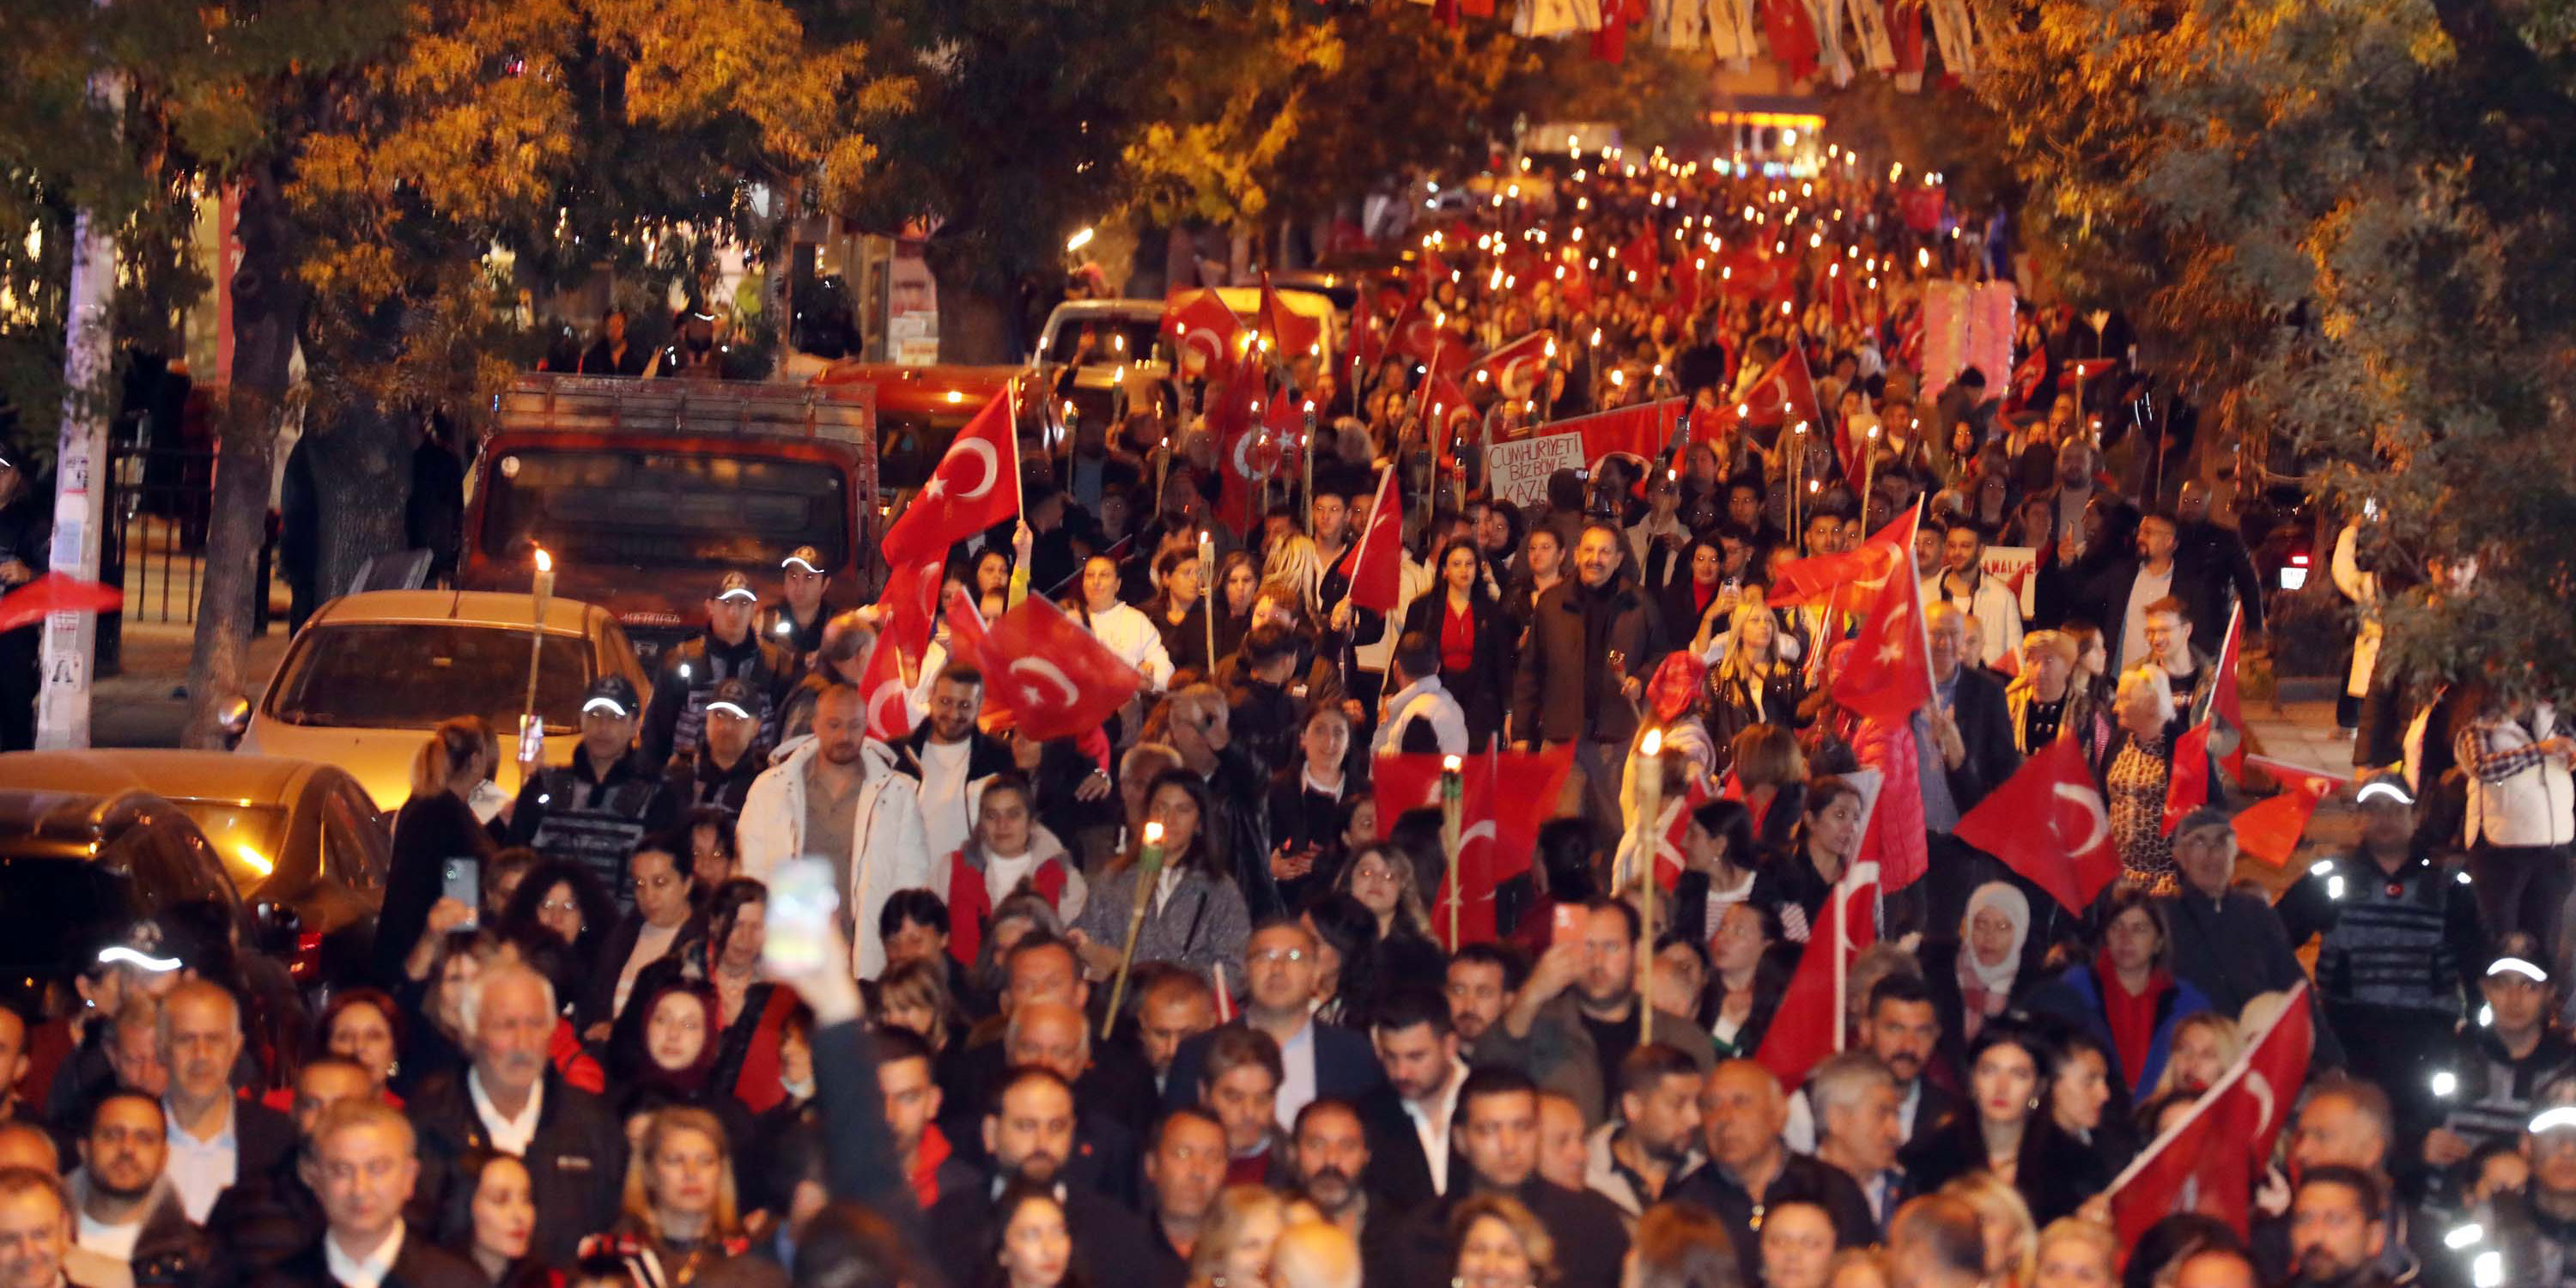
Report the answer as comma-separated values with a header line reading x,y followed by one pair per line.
x,y
646,492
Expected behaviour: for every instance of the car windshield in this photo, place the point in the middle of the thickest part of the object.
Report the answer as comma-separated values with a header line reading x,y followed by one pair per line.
x,y
411,675
664,509
910,443
1114,341
249,838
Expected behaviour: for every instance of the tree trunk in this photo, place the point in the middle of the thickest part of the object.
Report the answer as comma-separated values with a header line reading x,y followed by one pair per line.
x,y
362,471
974,315
268,312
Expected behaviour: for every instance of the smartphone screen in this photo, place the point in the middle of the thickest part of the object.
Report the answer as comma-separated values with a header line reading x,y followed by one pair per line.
x,y
1569,923
462,880
803,899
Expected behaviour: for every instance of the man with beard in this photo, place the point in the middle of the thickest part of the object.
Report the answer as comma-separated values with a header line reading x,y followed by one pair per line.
x,y
126,1213
1482,980
1332,1155
1654,1139
1177,1006
1182,1177
1592,639
2335,1233
1588,983
2345,1123
1749,1169
1029,1135
841,796
1497,1136
1901,1029
1409,1118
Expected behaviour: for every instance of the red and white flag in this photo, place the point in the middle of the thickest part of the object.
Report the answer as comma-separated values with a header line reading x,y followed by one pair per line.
x,y
1809,1024
2207,1162
975,485
1421,340
2270,829
911,602
1515,368
1504,797
2047,822
1377,566
1200,324
2187,783
881,683
1889,676
2225,707
1051,674
1289,332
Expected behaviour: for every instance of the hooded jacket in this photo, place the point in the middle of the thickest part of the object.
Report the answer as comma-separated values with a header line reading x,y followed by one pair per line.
x,y
888,849
964,885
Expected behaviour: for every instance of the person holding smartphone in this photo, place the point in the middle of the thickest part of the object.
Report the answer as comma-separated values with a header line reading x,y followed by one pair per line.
x,y
435,826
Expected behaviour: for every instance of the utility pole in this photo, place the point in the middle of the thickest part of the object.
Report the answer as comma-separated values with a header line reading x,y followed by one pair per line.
x,y
81,458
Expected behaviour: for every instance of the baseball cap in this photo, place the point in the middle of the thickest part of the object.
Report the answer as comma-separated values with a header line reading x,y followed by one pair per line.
x,y
735,697
2383,785
614,693
142,946
2519,953
2205,816
806,557
737,587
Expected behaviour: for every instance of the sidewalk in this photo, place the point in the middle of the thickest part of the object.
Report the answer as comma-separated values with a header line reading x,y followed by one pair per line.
x,y
2299,729
146,703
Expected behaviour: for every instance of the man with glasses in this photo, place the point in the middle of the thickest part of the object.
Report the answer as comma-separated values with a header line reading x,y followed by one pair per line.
x,y
1316,1059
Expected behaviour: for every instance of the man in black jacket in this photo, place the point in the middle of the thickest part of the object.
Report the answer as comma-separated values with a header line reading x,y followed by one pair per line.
x,y
1742,1112
512,1100
691,671
1029,1133
1199,727
953,758
2227,942
594,810
362,1162
719,766
201,1039
263,1220
1497,1140
1592,640
1330,1157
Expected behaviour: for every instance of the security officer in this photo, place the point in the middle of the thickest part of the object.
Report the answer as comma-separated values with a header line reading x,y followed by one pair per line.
x,y
2402,946
797,623
691,671
594,810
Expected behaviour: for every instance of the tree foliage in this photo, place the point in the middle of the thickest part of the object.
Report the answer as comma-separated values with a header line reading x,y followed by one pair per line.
x,y
2348,218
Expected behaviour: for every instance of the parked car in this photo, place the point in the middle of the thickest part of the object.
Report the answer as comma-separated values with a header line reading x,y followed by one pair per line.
x,y
79,868
295,833
370,674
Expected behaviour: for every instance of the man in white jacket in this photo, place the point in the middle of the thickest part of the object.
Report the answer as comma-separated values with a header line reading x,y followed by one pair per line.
x,y
841,796
1421,715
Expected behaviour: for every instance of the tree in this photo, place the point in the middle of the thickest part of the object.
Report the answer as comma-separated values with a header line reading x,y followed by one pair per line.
x,y
2347,219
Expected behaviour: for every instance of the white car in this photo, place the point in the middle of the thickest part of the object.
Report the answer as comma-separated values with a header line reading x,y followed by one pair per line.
x,y
370,674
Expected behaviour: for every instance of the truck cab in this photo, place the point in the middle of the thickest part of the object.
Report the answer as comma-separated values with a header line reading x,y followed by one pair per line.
x,y
646,492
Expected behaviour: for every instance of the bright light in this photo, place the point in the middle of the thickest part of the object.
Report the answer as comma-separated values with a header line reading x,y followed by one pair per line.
x,y
1653,743
1079,240
1923,258
250,855
545,562
956,396
1788,138
1153,834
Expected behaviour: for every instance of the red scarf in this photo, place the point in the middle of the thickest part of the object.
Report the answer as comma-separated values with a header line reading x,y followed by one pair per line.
x,y
970,905
925,1170
2132,1019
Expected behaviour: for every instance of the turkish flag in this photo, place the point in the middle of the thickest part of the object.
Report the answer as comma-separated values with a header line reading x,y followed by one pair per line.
x,y
1889,676
1504,797
1639,431
2187,784
2207,1162
881,680
1234,417
976,485
1515,368
1055,679
2225,706
2047,822
1377,568
2270,829
1199,322
56,593
1368,340
910,601
1809,1024
1417,337
1290,333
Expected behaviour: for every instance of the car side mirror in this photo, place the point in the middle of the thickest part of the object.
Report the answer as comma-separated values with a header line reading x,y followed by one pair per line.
x,y
233,720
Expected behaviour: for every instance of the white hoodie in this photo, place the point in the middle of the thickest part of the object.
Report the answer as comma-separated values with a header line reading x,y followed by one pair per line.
x,y
889,852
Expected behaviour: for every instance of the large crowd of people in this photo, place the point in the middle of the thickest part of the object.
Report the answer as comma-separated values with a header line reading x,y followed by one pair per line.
x,y
1035,1049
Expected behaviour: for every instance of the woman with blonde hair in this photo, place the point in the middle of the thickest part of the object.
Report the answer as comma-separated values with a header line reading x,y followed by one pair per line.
x,y
2076,1253
1384,882
439,824
1494,1242
1754,683
915,996
2012,1238
2205,1046
1242,1230
680,1220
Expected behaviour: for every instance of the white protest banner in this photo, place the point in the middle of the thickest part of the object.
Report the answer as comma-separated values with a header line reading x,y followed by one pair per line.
x,y
1521,469
2016,567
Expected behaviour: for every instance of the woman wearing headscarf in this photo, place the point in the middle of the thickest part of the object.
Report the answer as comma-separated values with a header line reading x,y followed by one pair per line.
x,y
1980,975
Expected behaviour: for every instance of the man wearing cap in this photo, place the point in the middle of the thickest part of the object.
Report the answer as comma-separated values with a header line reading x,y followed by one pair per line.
x,y
2401,946
26,543
2535,1227
2229,943
595,809
2497,1067
797,623
691,671
729,752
